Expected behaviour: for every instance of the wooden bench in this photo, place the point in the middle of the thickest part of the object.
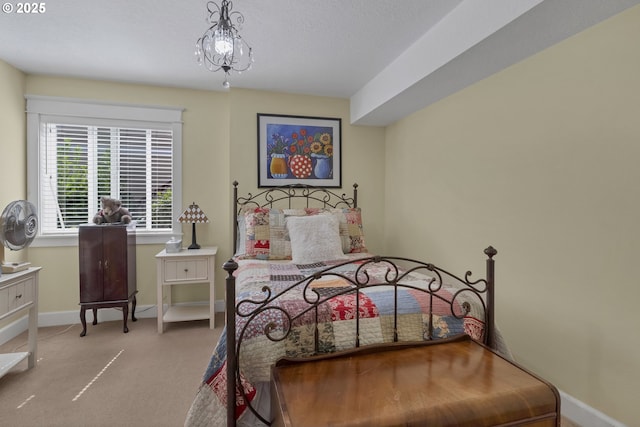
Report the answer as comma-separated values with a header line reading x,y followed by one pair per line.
x,y
456,382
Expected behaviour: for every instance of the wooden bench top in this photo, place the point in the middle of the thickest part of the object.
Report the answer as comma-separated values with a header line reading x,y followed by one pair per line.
x,y
455,382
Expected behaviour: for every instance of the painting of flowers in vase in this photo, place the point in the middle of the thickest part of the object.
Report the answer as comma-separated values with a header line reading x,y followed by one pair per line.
x,y
298,150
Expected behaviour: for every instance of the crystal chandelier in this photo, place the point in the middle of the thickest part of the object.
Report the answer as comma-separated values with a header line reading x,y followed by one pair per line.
x,y
221,47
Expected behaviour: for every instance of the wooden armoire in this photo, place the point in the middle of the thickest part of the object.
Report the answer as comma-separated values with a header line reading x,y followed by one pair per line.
x,y
107,256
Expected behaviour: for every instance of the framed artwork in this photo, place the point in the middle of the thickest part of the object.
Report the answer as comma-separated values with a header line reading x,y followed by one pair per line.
x,y
299,150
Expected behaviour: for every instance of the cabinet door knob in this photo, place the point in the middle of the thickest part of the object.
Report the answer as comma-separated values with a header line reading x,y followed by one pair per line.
x,y
19,296
186,270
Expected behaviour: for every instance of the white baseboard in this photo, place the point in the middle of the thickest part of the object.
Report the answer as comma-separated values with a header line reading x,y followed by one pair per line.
x,y
58,318
583,414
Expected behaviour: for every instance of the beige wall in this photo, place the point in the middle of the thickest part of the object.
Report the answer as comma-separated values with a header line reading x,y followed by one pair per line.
x,y
541,161
13,152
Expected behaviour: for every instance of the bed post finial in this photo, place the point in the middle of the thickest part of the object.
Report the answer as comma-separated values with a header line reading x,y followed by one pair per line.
x,y
490,252
355,194
231,266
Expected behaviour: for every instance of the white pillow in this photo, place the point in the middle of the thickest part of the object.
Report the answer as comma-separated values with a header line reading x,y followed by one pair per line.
x,y
314,238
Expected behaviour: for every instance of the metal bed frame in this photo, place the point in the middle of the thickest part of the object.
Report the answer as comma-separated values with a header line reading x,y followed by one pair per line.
x,y
397,269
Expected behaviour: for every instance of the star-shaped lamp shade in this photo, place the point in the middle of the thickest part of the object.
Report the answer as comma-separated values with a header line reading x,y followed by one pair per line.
x,y
194,215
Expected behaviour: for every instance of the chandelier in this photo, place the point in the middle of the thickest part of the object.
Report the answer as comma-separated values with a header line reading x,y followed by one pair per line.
x,y
221,47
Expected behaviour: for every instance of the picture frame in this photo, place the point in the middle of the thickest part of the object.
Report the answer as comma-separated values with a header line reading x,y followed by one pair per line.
x,y
299,150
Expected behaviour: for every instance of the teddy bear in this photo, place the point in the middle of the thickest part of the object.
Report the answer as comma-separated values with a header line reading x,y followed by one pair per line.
x,y
112,211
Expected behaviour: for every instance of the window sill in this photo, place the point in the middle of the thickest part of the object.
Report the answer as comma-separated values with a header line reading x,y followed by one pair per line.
x,y
72,240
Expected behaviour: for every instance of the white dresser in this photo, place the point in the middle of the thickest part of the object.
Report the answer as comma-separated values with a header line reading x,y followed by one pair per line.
x,y
19,295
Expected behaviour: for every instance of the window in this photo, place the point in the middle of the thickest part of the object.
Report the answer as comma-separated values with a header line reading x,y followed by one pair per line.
x,y
80,152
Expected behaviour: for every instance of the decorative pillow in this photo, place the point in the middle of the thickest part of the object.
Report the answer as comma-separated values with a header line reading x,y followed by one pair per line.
x,y
351,232
266,236
314,238
257,233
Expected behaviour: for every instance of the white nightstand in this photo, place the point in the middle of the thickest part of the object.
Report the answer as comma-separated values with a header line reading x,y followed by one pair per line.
x,y
187,267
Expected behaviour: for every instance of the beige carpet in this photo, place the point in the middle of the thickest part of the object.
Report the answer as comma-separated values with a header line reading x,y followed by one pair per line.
x,y
108,378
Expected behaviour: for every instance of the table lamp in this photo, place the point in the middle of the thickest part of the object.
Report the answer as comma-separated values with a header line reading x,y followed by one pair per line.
x,y
193,214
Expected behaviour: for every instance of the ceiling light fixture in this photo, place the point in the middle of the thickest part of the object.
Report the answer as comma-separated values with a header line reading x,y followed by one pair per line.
x,y
221,47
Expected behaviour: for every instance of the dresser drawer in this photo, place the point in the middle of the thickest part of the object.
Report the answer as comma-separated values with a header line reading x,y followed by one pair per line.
x,y
4,301
17,295
196,269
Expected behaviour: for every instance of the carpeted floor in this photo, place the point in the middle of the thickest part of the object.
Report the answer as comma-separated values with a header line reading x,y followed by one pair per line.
x,y
108,378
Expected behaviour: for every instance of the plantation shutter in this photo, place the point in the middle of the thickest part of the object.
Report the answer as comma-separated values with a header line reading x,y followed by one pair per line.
x,y
83,162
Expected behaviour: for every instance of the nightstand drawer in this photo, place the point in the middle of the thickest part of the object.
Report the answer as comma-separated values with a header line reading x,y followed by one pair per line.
x,y
196,269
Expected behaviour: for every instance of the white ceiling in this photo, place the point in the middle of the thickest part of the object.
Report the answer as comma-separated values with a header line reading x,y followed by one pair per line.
x,y
389,57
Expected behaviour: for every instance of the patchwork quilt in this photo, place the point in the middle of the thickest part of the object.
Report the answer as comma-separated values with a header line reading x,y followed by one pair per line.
x,y
284,326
